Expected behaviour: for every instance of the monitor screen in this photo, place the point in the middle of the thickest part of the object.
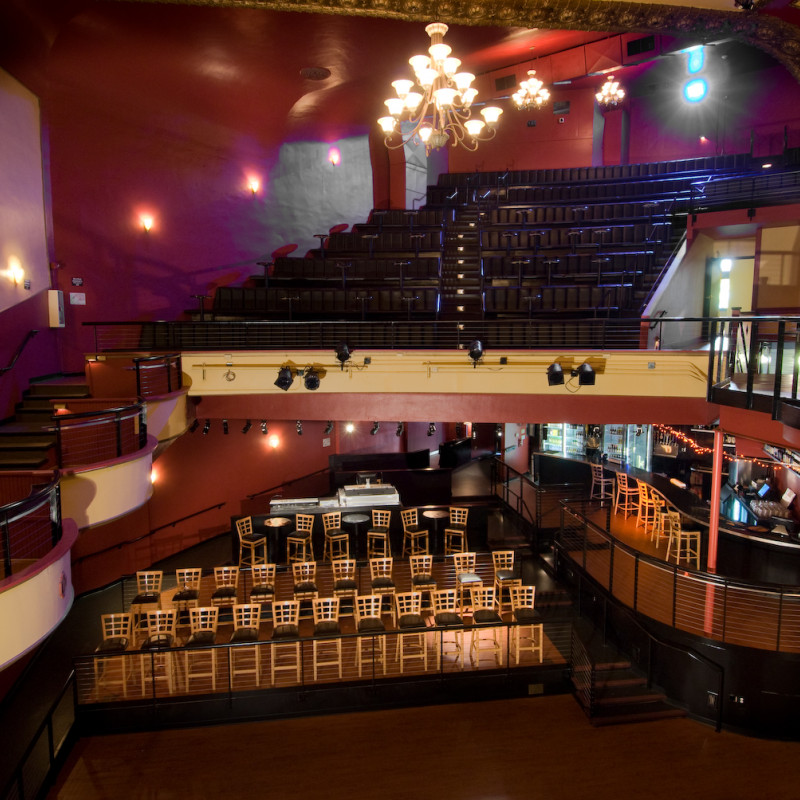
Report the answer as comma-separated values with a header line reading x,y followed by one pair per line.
x,y
764,490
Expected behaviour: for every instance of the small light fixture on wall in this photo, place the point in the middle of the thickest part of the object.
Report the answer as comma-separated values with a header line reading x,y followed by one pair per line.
x,y
299,427
253,184
334,156
146,221
15,273
273,441
349,427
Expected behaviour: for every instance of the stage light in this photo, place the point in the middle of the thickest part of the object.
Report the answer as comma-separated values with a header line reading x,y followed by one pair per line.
x,y
311,379
376,426
264,428
194,426
585,375
285,379
349,427
299,426
329,428
431,428
695,90
343,353
555,375
247,426
476,352
206,427
225,426
399,430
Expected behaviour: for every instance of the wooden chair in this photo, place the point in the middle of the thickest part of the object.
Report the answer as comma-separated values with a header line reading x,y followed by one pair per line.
x,y
337,541
524,613
250,543
117,637
187,595
455,534
422,580
411,628
415,538
682,545
226,587
381,582
148,595
446,615
345,585
485,614
263,589
157,660
370,623
646,508
378,544
504,575
602,487
627,497
327,634
203,622
299,544
244,639
285,638
466,577
304,578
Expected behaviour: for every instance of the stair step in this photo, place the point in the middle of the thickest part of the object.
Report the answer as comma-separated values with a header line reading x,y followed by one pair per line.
x,y
56,390
32,442
35,404
24,428
625,695
16,460
647,712
33,415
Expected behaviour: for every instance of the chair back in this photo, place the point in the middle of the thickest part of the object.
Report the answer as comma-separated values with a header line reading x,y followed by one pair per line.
x,y
304,571
597,473
408,603
409,517
326,609
484,597
380,568
444,600
421,565
464,562
117,626
263,574
189,577
644,495
244,526
149,581
286,612
226,576
246,616
331,521
205,618
368,606
381,518
343,569
304,523
626,485
160,621
673,519
522,597
458,516
503,559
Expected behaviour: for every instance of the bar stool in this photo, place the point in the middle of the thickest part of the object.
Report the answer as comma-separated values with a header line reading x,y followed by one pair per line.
x,y
157,651
117,636
466,577
344,582
337,540
226,583
455,534
203,634
602,487
250,543
415,538
381,581
485,615
422,579
686,543
188,590
299,545
412,629
445,615
504,575
148,595
368,621
263,589
378,545
285,636
246,624
327,634
627,495
662,528
527,618
646,509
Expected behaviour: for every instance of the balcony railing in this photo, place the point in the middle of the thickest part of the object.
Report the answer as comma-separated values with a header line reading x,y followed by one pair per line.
x,y
157,375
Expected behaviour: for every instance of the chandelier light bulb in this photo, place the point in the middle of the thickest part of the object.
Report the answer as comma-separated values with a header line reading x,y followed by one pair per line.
x,y
437,111
610,94
531,93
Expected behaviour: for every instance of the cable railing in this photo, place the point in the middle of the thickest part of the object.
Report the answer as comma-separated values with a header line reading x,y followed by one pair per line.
x,y
30,528
745,191
158,374
765,617
90,437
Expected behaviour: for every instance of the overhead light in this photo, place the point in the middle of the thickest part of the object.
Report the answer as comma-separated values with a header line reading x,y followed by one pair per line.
x,y
399,430
376,426
299,426
206,427
194,426
611,94
431,428
247,426
311,379
531,93
264,428
329,428
438,110
342,353
225,426
285,379
585,374
476,352
555,374
349,427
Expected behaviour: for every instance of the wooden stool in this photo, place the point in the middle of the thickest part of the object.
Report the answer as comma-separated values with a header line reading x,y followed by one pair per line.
x,y
299,545
368,621
455,534
485,615
602,487
337,540
627,498
415,539
527,619
378,545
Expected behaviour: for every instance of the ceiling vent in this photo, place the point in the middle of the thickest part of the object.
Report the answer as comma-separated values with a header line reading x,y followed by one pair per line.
x,y
645,45
506,82
561,107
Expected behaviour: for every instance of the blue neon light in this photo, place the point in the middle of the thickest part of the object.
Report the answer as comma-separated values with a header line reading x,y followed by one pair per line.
x,y
696,90
696,60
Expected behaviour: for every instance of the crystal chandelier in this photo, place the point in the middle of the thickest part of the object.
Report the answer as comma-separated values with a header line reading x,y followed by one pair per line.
x,y
531,93
441,111
610,94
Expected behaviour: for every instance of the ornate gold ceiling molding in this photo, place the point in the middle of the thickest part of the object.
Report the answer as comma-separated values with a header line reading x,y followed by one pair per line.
x,y
774,36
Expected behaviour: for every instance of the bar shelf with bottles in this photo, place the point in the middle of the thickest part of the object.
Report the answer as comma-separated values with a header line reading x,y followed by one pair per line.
x,y
565,439
629,444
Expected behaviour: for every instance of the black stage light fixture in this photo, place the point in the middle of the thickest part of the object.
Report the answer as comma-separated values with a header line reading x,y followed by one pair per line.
x,y
376,426
311,379
264,428
343,353
247,426
476,352
225,426
555,375
299,426
584,374
329,428
431,429
194,426
285,379
400,429
206,427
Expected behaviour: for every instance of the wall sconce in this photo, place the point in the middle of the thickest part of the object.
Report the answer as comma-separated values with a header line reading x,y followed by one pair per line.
x,y
253,184
299,426
349,427
334,156
15,273
147,222
285,378
153,476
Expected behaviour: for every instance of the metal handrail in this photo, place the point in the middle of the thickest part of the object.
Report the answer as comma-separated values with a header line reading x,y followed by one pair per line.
x,y
28,336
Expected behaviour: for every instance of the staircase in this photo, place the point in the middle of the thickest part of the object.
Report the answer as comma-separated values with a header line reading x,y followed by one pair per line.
x,y
27,441
607,686
462,295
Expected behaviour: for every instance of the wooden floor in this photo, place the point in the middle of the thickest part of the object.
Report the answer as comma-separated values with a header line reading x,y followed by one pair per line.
x,y
541,747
